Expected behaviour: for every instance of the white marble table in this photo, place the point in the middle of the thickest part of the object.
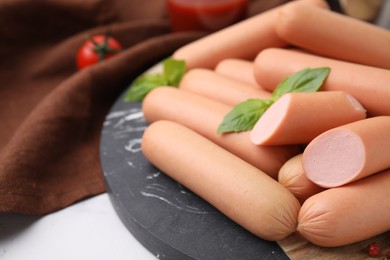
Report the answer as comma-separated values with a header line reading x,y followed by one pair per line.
x,y
87,230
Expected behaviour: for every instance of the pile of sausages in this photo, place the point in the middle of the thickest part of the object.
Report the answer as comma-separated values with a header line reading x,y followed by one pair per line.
x,y
315,163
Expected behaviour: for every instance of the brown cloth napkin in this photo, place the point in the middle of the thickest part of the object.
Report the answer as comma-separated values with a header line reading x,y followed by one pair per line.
x,y
51,115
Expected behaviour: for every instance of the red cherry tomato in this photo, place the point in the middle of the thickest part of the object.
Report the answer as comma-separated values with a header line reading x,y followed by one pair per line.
x,y
96,49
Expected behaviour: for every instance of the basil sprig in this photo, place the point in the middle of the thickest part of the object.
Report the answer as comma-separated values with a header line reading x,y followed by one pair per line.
x,y
173,71
306,80
244,115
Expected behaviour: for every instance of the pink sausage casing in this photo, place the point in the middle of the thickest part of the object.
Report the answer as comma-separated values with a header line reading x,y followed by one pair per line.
x,y
349,152
297,118
238,69
334,35
243,40
367,84
203,115
293,177
240,191
212,85
347,214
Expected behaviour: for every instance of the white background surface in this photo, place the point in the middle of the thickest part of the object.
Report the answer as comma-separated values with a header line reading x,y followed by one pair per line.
x,y
87,230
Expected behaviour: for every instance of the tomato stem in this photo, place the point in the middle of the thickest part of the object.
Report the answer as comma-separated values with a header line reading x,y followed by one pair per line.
x,y
102,49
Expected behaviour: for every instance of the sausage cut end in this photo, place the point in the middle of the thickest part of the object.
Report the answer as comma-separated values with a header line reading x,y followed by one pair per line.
x,y
268,125
334,158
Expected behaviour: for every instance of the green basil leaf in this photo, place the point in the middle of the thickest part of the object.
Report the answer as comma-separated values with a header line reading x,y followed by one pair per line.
x,y
174,71
306,80
143,85
244,116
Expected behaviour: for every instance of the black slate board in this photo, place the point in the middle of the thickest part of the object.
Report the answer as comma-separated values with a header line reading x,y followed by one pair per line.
x,y
168,219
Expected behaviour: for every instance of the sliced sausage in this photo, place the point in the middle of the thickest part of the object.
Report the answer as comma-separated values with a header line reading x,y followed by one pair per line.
x,y
297,118
349,152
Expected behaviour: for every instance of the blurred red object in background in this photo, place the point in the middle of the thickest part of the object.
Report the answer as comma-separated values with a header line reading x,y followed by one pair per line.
x,y
205,15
